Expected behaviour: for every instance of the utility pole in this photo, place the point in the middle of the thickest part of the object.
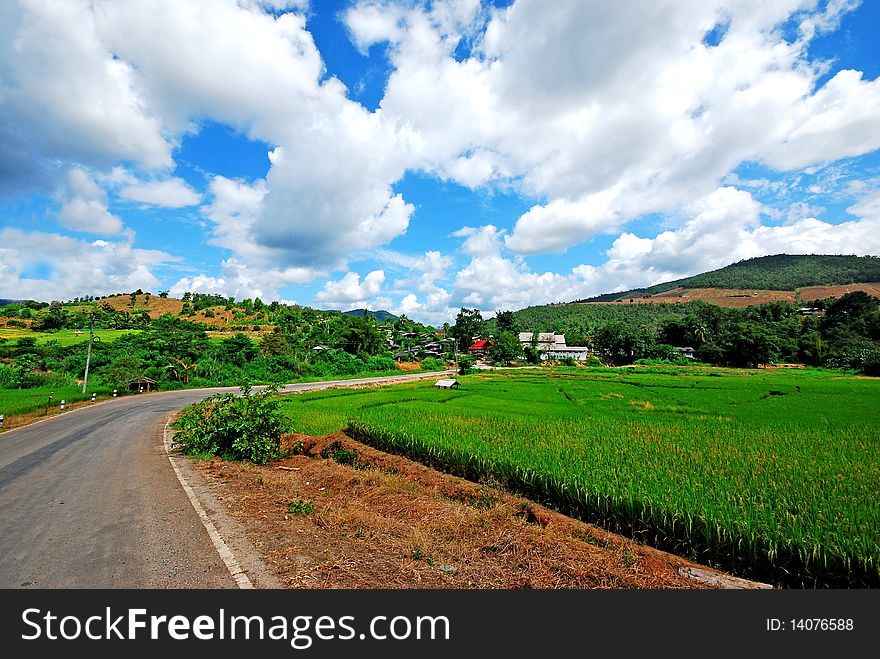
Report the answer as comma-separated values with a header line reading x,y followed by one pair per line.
x,y
89,352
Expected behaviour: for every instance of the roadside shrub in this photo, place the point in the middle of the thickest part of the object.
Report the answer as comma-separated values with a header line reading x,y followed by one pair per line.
x,y
466,364
433,364
8,377
379,363
246,427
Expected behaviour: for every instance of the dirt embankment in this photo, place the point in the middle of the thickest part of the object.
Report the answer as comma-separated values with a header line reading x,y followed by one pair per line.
x,y
344,515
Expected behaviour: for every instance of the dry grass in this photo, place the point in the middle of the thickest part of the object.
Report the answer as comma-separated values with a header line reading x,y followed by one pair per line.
x,y
811,293
388,522
156,307
723,297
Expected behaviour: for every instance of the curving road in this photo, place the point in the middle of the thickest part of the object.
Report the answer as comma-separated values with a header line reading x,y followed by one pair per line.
x,y
89,499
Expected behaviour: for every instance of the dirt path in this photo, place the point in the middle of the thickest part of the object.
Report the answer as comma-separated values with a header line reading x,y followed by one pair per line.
x,y
388,522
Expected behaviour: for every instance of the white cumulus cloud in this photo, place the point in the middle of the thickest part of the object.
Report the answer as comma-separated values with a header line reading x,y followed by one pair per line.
x,y
169,193
350,292
84,206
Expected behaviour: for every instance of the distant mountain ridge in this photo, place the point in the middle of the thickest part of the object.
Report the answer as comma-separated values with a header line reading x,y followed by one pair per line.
x,y
380,316
780,272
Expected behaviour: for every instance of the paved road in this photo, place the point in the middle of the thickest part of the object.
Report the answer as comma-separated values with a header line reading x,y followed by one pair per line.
x,y
88,499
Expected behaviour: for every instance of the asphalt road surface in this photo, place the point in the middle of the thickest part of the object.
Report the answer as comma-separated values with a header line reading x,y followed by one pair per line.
x,y
88,499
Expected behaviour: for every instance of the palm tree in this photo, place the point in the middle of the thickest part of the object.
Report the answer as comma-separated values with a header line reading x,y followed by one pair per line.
x,y
701,332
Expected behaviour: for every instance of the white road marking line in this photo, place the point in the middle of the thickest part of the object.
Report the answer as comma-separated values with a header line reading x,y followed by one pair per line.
x,y
222,548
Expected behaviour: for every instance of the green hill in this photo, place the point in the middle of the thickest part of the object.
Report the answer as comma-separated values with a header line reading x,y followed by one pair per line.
x,y
781,272
379,316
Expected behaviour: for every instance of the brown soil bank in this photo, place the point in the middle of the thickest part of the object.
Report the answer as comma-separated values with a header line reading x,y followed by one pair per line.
x,y
344,515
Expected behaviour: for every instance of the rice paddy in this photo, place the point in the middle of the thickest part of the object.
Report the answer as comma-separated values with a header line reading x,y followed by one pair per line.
x,y
22,401
62,338
772,475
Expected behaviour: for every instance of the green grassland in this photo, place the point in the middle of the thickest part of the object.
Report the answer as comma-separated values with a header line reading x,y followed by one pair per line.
x,y
65,337
772,475
22,401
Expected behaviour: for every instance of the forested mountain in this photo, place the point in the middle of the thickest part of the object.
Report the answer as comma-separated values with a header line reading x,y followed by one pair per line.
x,y
781,272
379,316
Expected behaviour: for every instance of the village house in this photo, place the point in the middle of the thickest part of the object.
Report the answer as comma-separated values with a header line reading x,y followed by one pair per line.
x,y
686,352
480,348
553,346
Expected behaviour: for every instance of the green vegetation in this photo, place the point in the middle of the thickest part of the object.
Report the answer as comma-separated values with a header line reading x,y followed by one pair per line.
x,y
301,507
781,272
246,427
22,401
303,344
769,474
62,337
846,335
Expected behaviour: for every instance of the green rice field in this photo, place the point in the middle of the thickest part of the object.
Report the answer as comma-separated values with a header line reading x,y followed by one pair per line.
x,y
22,401
62,337
771,475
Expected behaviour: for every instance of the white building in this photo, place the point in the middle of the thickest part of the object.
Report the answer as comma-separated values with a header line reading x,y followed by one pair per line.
x,y
553,346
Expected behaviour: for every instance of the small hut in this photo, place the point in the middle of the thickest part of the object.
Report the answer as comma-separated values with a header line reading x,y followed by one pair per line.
x,y
142,384
447,384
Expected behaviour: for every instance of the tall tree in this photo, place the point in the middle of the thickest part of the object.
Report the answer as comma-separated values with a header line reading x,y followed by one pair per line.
x,y
468,324
506,348
505,321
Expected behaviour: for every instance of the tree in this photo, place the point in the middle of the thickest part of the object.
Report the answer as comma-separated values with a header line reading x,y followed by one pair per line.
x,y
466,364
24,368
505,321
52,319
853,311
506,348
622,343
122,370
747,343
274,344
237,349
359,334
468,324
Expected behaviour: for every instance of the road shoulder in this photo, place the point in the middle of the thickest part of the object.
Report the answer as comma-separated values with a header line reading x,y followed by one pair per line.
x,y
228,535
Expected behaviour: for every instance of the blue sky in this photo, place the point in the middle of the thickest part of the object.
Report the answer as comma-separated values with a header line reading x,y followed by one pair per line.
x,y
419,156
